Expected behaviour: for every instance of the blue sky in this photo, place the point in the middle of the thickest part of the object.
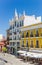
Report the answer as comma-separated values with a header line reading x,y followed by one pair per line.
x,y
7,7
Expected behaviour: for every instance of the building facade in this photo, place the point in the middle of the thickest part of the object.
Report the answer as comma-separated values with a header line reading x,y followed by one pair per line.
x,y
14,34
16,28
31,36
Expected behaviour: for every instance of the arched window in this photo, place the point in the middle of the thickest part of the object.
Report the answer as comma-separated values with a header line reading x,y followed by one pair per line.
x,y
37,44
37,33
22,35
31,45
27,44
22,43
27,34
31,34
20,24
15,23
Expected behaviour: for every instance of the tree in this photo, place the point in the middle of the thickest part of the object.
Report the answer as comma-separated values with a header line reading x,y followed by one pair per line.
x,y
4,49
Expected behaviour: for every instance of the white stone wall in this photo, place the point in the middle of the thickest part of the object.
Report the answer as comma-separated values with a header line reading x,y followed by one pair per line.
x,y
29,20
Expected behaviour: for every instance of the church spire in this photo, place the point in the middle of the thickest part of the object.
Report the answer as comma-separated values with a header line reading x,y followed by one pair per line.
x,y
16,15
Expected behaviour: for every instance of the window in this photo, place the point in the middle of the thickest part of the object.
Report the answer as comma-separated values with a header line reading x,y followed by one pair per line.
x,y
10,43
31,45
22,35
13,26
18,44
10,38
37,34
20,23
19,31
13,43
10,27
23,44
15,23
27,44
27,34
15,31
15,38
37,44
31,34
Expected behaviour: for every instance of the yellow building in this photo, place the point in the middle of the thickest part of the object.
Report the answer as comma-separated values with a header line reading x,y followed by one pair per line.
x,y
31,36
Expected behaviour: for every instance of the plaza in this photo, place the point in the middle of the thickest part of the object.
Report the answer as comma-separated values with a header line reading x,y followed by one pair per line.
x,y
11,60
20,32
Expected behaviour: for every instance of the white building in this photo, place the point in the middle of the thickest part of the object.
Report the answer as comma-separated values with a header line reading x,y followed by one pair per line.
x,y
15,28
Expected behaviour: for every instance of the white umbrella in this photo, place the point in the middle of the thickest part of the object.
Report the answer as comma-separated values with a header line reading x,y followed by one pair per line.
x,y
20,51
39,55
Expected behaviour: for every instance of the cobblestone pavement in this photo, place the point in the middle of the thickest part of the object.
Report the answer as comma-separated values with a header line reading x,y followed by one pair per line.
x,y
12,60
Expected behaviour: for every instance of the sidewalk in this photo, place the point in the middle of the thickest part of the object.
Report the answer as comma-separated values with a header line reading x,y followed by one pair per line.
x,y
12,60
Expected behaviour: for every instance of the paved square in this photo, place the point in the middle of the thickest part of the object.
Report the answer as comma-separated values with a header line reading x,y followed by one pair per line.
x,y
12,60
